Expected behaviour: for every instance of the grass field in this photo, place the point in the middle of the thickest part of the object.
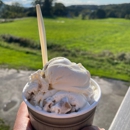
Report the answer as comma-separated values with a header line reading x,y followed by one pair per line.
x,y
102,46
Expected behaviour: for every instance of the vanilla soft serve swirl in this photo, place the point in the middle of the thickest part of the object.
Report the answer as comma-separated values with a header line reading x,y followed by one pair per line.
x,y
62,74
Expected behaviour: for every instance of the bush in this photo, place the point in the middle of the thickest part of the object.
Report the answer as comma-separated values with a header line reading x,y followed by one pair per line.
x,y
21,41
6,20
121,56
127,16
127,58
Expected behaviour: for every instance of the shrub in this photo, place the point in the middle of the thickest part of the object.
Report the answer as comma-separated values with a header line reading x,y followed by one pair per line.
x,y
6,20
127,58
21,41
121,56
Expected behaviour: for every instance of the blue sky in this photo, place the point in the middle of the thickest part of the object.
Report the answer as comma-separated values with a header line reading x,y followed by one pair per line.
x,y
27,3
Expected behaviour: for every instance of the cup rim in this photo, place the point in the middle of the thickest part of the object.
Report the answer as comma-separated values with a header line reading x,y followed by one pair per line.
x,y
71,115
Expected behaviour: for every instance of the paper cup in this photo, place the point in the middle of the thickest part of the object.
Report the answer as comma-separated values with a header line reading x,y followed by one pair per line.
x,y
42,120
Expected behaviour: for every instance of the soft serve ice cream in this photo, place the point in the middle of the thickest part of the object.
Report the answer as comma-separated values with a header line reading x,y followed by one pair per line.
x,y
61,87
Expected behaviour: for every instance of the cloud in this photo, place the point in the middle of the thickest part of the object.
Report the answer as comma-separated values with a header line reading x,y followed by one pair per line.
x,y
65,2
78,2
23,2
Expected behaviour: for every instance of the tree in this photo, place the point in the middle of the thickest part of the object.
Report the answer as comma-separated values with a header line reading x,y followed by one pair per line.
x,y
92,15
111,14
30,11
17,7
59,9
13,11
100,13
46,6
76,13
83,16
37,2
1,8
127,16
1,3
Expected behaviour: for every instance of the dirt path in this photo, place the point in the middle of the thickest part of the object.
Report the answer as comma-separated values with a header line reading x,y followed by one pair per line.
x,y
13,81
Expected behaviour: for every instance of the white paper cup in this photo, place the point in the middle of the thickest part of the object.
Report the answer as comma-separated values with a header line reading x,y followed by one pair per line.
x,y
42,120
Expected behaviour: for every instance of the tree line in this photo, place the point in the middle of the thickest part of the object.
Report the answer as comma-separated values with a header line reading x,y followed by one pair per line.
x,y
48,8
102,11
52,9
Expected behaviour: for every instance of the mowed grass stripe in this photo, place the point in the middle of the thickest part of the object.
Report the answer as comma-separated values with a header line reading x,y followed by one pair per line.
x,y
19,60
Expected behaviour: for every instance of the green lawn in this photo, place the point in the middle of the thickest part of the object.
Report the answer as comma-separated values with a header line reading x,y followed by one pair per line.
x,y
90,35
19,59
94,43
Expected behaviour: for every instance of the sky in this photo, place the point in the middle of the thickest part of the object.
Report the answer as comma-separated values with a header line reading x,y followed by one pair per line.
x,y
27,3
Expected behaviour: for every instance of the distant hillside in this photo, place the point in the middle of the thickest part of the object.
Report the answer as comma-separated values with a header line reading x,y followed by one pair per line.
x,y
112,10
82,7
95,7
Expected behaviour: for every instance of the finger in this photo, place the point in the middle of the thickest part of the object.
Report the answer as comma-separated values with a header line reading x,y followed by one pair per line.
x,y
23,111
22,120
